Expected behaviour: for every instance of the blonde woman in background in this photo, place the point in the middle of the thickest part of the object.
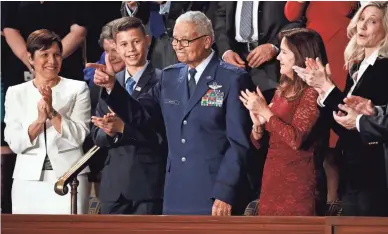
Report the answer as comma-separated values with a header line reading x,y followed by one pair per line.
x,y
362,167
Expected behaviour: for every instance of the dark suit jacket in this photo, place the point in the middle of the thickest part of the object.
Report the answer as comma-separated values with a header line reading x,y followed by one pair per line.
x,y
363,163
135,166
177,8
161,52
271,20
374,130
208,139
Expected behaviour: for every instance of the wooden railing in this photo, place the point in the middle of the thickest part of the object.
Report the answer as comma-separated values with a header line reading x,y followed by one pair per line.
x,y
95,224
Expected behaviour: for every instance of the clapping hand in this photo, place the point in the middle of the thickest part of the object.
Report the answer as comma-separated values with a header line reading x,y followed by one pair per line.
x,y
315,74
110,123
47,96
256,103
42,113
360,105
348,121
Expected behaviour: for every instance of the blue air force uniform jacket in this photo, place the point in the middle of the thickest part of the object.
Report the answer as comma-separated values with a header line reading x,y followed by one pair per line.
x,y
208,134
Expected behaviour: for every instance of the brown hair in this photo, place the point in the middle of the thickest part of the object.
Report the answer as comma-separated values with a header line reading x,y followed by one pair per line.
x,y
42,39
126,23
303,43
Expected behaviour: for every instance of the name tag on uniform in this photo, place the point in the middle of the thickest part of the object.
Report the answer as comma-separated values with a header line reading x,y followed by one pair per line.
x,y
172,102
213,97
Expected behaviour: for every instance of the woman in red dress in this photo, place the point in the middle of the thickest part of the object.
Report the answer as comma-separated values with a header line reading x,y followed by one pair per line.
x,y
330,20
288,183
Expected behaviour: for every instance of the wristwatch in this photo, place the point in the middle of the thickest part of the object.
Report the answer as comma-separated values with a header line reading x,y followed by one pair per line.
x,y
52,114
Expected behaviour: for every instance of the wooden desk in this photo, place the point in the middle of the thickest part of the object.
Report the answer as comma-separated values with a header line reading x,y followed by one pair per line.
x,y
95,224
92,224
354,225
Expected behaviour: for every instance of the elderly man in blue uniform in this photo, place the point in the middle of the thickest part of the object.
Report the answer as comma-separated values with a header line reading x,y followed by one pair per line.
x,y
207,127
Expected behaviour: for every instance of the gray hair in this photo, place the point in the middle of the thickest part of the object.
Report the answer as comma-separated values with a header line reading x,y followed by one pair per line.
x,y
106,33
199,19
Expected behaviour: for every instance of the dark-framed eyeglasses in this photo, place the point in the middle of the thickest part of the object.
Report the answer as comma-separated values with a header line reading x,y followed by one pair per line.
x,y
184,42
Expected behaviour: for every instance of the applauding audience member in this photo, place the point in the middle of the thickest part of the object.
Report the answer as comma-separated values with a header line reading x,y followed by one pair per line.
x,y
288,184
370,120
207,130
47,120
133,176
366,56
330,19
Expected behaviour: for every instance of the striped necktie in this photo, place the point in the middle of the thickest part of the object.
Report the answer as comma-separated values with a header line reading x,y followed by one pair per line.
x,y
246,27
129,85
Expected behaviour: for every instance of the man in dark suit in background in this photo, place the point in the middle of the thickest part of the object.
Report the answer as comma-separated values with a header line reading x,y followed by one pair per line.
x,y
207,127
370,120
133,177
372,124
159,18
374,128
247,37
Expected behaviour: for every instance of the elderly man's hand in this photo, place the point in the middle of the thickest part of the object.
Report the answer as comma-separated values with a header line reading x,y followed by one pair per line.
x,y
221,208
347,121
361,105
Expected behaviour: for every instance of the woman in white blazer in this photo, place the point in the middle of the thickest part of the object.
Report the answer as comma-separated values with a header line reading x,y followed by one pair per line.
x,y
62,107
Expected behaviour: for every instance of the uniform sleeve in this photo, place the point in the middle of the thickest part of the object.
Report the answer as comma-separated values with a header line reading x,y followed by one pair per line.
x,y
238,128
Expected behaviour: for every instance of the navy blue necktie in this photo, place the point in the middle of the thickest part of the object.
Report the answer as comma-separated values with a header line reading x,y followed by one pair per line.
x,y
192,84
129,84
